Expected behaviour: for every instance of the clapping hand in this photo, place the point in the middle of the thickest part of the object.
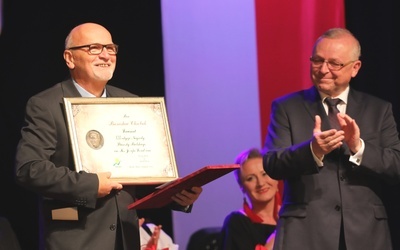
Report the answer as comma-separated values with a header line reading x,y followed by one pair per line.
x,y
324,142
153,242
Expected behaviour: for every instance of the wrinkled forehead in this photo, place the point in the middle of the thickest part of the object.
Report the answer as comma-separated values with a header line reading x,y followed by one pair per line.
x,y
334,48
344,47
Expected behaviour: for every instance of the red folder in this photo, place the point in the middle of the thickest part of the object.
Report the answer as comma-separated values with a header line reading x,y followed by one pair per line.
x,y
162,196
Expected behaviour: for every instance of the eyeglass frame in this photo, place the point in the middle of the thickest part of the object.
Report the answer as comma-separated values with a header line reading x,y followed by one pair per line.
x,y
329,63
97,44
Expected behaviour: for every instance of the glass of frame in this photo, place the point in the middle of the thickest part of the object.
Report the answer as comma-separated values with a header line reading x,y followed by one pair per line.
x,y
129,137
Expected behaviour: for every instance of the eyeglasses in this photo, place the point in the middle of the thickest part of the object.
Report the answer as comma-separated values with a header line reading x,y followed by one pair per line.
x,y
332,65
97,48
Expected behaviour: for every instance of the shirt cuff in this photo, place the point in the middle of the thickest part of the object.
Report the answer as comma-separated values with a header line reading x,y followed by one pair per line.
x,y
357,157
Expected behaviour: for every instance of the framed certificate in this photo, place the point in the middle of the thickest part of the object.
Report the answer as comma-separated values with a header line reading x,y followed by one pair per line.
x,y
128,137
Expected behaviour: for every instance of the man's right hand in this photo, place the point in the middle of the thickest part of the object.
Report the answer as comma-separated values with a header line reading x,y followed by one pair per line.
x,y
324,142
106,185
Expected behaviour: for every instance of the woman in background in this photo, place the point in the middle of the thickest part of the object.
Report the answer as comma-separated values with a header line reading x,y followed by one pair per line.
x,y
252,227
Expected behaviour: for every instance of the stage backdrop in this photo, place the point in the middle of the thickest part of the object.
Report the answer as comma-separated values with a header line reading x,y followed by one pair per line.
x,y
224,62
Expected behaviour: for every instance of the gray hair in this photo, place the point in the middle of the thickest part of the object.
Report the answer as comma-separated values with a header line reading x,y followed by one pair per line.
x,y
339,33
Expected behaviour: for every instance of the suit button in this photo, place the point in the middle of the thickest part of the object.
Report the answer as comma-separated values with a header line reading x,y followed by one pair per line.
x,y
337,208
342,178
113,227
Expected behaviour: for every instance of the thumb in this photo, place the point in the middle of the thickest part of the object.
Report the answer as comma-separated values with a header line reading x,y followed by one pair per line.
x,y
317,124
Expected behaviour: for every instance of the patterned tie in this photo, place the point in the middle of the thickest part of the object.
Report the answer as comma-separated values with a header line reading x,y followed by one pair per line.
x,y
332,112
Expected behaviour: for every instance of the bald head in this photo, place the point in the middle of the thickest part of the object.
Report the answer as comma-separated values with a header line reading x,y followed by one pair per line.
x,y
88,33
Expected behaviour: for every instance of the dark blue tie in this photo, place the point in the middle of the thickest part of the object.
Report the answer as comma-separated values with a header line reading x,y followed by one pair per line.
x,y
333,111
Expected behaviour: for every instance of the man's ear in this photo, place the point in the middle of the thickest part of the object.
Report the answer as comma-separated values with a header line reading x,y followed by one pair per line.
x,y
356,68
69,59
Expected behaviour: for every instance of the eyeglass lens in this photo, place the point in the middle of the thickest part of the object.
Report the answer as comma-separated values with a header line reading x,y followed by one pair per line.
x,y
96,49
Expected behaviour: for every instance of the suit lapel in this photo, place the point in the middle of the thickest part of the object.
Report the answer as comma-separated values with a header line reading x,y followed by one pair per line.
x,y
354,107
69,89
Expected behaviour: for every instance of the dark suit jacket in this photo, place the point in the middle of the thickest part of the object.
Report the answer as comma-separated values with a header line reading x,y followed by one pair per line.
x,y
8,239
44,164
316,200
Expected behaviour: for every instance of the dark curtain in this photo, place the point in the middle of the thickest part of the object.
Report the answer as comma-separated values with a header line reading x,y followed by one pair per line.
x,y
375,25
31,45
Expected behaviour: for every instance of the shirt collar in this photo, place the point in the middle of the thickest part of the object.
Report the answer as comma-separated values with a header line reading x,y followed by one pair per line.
x,y
343,96
84,92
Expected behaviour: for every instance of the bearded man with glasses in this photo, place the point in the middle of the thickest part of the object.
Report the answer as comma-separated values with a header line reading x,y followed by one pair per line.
x,y
334,170
79,210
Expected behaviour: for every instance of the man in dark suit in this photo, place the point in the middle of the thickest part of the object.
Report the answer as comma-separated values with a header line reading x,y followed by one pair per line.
x,y
80,210
333,178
